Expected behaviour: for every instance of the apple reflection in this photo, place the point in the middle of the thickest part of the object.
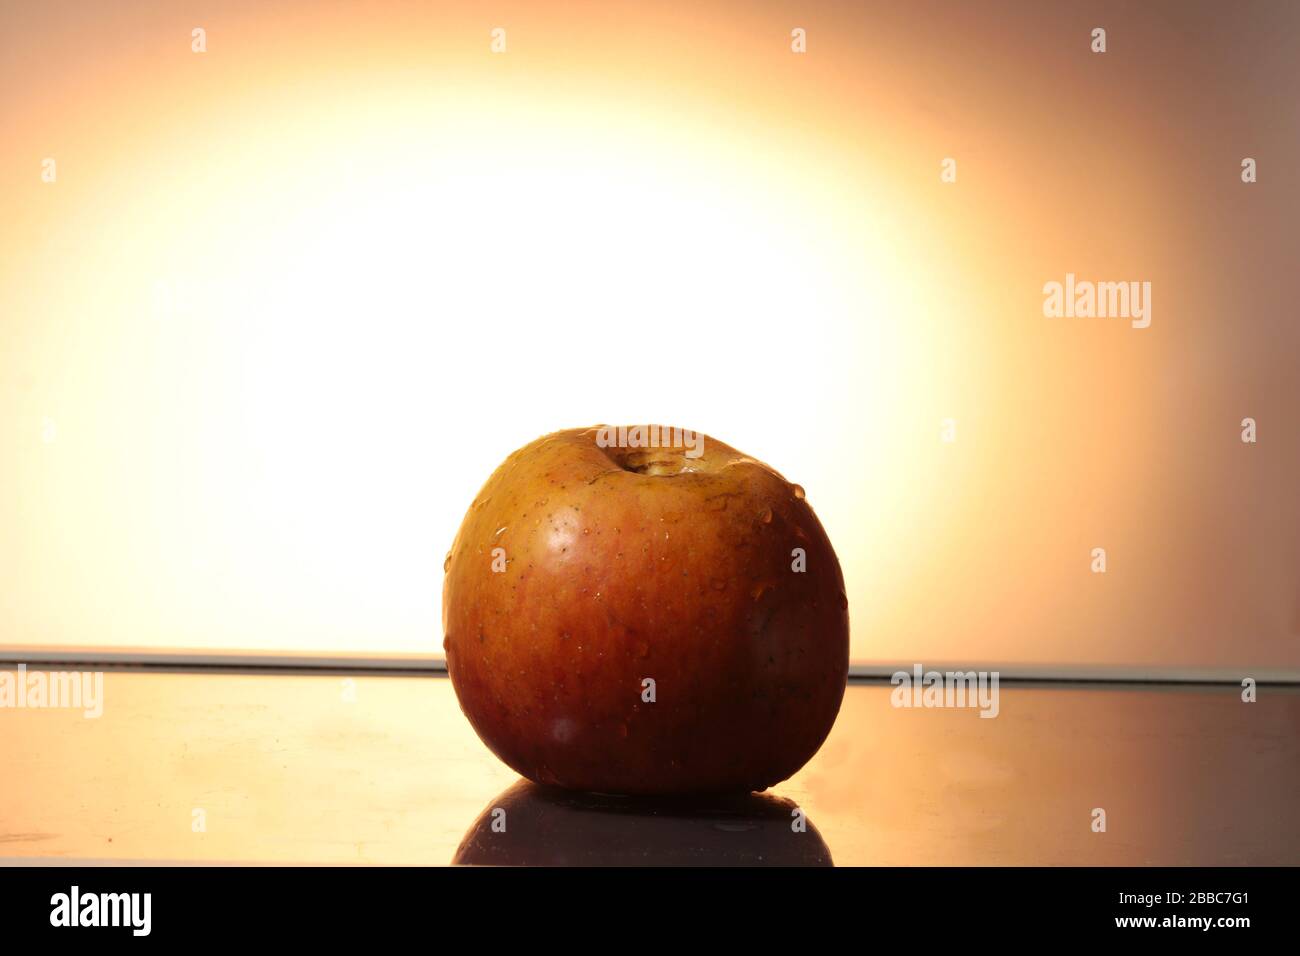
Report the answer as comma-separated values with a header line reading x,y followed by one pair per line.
x,y
531,825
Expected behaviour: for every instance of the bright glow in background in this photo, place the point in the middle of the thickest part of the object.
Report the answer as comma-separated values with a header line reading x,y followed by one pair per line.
x,y
290,301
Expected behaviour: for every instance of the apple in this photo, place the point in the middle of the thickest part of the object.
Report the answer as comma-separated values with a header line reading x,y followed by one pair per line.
x,y
645,611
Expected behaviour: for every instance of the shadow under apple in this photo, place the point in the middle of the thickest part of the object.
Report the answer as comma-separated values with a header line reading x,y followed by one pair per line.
x,y
531,825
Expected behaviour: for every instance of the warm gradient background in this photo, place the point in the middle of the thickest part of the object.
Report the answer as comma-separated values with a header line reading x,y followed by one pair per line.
x,y
291,300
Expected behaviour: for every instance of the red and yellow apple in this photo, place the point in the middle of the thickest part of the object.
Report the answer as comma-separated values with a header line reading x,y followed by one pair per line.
x,y
645,620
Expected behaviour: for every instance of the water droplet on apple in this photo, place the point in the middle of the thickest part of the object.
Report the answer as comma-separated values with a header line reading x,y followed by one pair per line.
x,y
765,516
844,601
564,729
500,530
446,565
799,492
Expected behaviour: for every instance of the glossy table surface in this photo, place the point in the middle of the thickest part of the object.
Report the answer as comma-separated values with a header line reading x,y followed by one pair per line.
x,y
325,768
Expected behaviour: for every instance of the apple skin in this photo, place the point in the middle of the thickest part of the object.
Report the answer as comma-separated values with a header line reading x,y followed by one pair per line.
x,y
622,564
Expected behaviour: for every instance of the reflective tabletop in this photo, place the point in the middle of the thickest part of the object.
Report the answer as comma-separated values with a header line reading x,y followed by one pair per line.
x,y
327,768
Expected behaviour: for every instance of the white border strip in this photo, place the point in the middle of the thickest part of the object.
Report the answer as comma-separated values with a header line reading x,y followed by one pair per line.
x,y
1088,673
185,657
144,657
